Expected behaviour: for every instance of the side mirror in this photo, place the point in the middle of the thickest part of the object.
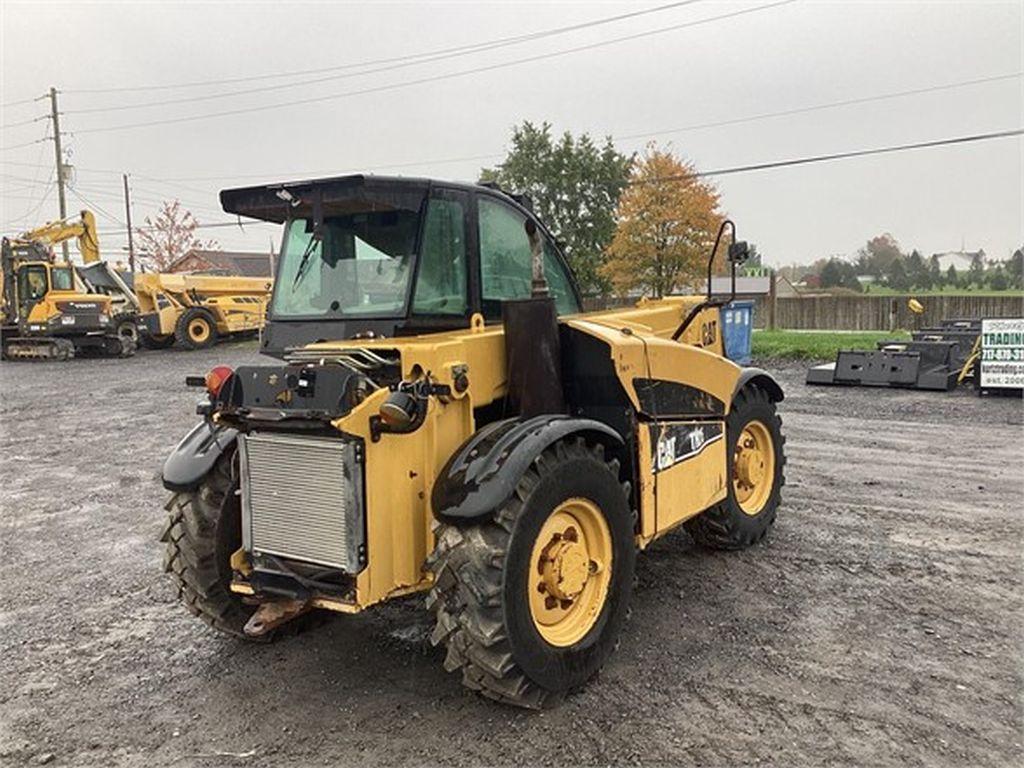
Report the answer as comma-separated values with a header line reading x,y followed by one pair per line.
x,y
739,252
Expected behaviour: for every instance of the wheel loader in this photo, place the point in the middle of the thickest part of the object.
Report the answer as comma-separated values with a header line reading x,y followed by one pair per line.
x,y
441,418
44,315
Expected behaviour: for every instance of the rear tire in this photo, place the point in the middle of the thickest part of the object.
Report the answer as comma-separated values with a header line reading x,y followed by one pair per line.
x,y
481,596
196,329
156,342
128,347
204,528
124,325
727,525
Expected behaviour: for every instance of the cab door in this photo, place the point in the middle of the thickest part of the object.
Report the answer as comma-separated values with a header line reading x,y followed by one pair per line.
x,y
33,285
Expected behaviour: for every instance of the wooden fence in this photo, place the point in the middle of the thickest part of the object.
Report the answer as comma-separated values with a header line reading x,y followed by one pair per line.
x,y
882,313
862,313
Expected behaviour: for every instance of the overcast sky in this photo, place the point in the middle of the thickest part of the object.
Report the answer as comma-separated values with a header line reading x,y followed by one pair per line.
x,y
790,56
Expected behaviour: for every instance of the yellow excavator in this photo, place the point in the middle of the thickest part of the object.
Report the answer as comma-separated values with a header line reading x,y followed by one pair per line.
x,y
44,315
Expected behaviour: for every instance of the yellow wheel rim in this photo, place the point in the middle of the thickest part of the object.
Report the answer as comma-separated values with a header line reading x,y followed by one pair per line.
x,y
753,467
570,572
199,330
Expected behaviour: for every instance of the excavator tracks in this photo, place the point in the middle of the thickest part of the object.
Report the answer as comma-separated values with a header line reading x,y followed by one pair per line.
x,y
27,348
60,349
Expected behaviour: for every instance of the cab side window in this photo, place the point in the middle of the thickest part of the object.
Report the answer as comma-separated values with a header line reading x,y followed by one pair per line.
x,y
441,287
505,261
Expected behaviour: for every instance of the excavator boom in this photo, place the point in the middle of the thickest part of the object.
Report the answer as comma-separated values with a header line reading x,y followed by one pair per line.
x,y
83,230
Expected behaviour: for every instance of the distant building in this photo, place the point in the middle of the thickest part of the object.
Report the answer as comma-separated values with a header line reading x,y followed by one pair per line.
x,y
224,263
959,259
750,287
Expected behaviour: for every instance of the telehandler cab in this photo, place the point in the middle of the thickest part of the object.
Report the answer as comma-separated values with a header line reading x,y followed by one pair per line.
x,y
447,420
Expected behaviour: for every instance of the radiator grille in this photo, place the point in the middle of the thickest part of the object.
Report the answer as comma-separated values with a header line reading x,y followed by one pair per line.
x,y
302,499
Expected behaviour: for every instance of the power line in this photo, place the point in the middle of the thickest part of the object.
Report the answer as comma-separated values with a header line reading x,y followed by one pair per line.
x,y
837,156
237,224
7,147
25,122
437,78
22,101
742,168
91,204
430,55
621,137
828,105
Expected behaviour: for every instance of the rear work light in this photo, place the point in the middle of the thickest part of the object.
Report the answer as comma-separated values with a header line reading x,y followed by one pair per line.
x,y
216,379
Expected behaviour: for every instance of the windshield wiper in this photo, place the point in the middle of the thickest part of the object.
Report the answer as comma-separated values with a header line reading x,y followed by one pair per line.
x,y
304,261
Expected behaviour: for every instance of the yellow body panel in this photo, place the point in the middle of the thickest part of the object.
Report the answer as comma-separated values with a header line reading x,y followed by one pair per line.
x,y
400,469
689,487
46,308
399,477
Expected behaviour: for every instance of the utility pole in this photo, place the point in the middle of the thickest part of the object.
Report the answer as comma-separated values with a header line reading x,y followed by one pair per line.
x,y
128,218
58,155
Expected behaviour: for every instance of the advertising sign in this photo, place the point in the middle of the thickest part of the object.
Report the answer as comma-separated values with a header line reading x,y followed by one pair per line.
x,y
1002,353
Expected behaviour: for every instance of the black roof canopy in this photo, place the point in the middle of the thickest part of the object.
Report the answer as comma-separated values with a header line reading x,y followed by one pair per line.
x,y
275,202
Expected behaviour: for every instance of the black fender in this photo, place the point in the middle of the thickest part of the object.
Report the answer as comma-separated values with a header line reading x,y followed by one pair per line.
x,y
196,454
484,472
762,380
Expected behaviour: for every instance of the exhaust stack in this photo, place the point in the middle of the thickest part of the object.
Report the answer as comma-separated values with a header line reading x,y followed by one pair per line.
x,y
533,356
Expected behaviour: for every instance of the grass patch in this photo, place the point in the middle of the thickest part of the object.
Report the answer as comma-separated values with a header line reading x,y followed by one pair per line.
x,y
816,345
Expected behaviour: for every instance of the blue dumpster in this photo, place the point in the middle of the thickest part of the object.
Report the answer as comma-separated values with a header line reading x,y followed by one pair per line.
x,y
737,329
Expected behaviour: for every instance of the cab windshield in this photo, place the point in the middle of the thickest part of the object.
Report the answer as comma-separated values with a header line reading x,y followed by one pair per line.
x,y
360,263
62,279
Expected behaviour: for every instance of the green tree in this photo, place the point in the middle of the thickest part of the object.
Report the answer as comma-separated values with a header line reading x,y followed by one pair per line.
x,y
896,276
831,274
997,279
976,272
934,272
849,279
575,184
917,271
952,280
1015,269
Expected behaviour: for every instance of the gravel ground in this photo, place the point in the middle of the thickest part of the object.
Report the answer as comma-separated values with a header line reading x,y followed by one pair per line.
x,y
879,624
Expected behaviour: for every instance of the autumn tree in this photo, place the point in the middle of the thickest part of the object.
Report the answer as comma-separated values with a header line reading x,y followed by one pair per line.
x,y
574,184
666,224
878,255
171,234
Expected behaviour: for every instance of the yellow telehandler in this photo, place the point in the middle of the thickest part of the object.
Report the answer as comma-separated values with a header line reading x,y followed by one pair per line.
x,y
195,310
446,420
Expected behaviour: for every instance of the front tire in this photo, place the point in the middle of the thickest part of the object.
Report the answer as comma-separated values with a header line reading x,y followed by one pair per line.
x,y
196,329
529,602
756,462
